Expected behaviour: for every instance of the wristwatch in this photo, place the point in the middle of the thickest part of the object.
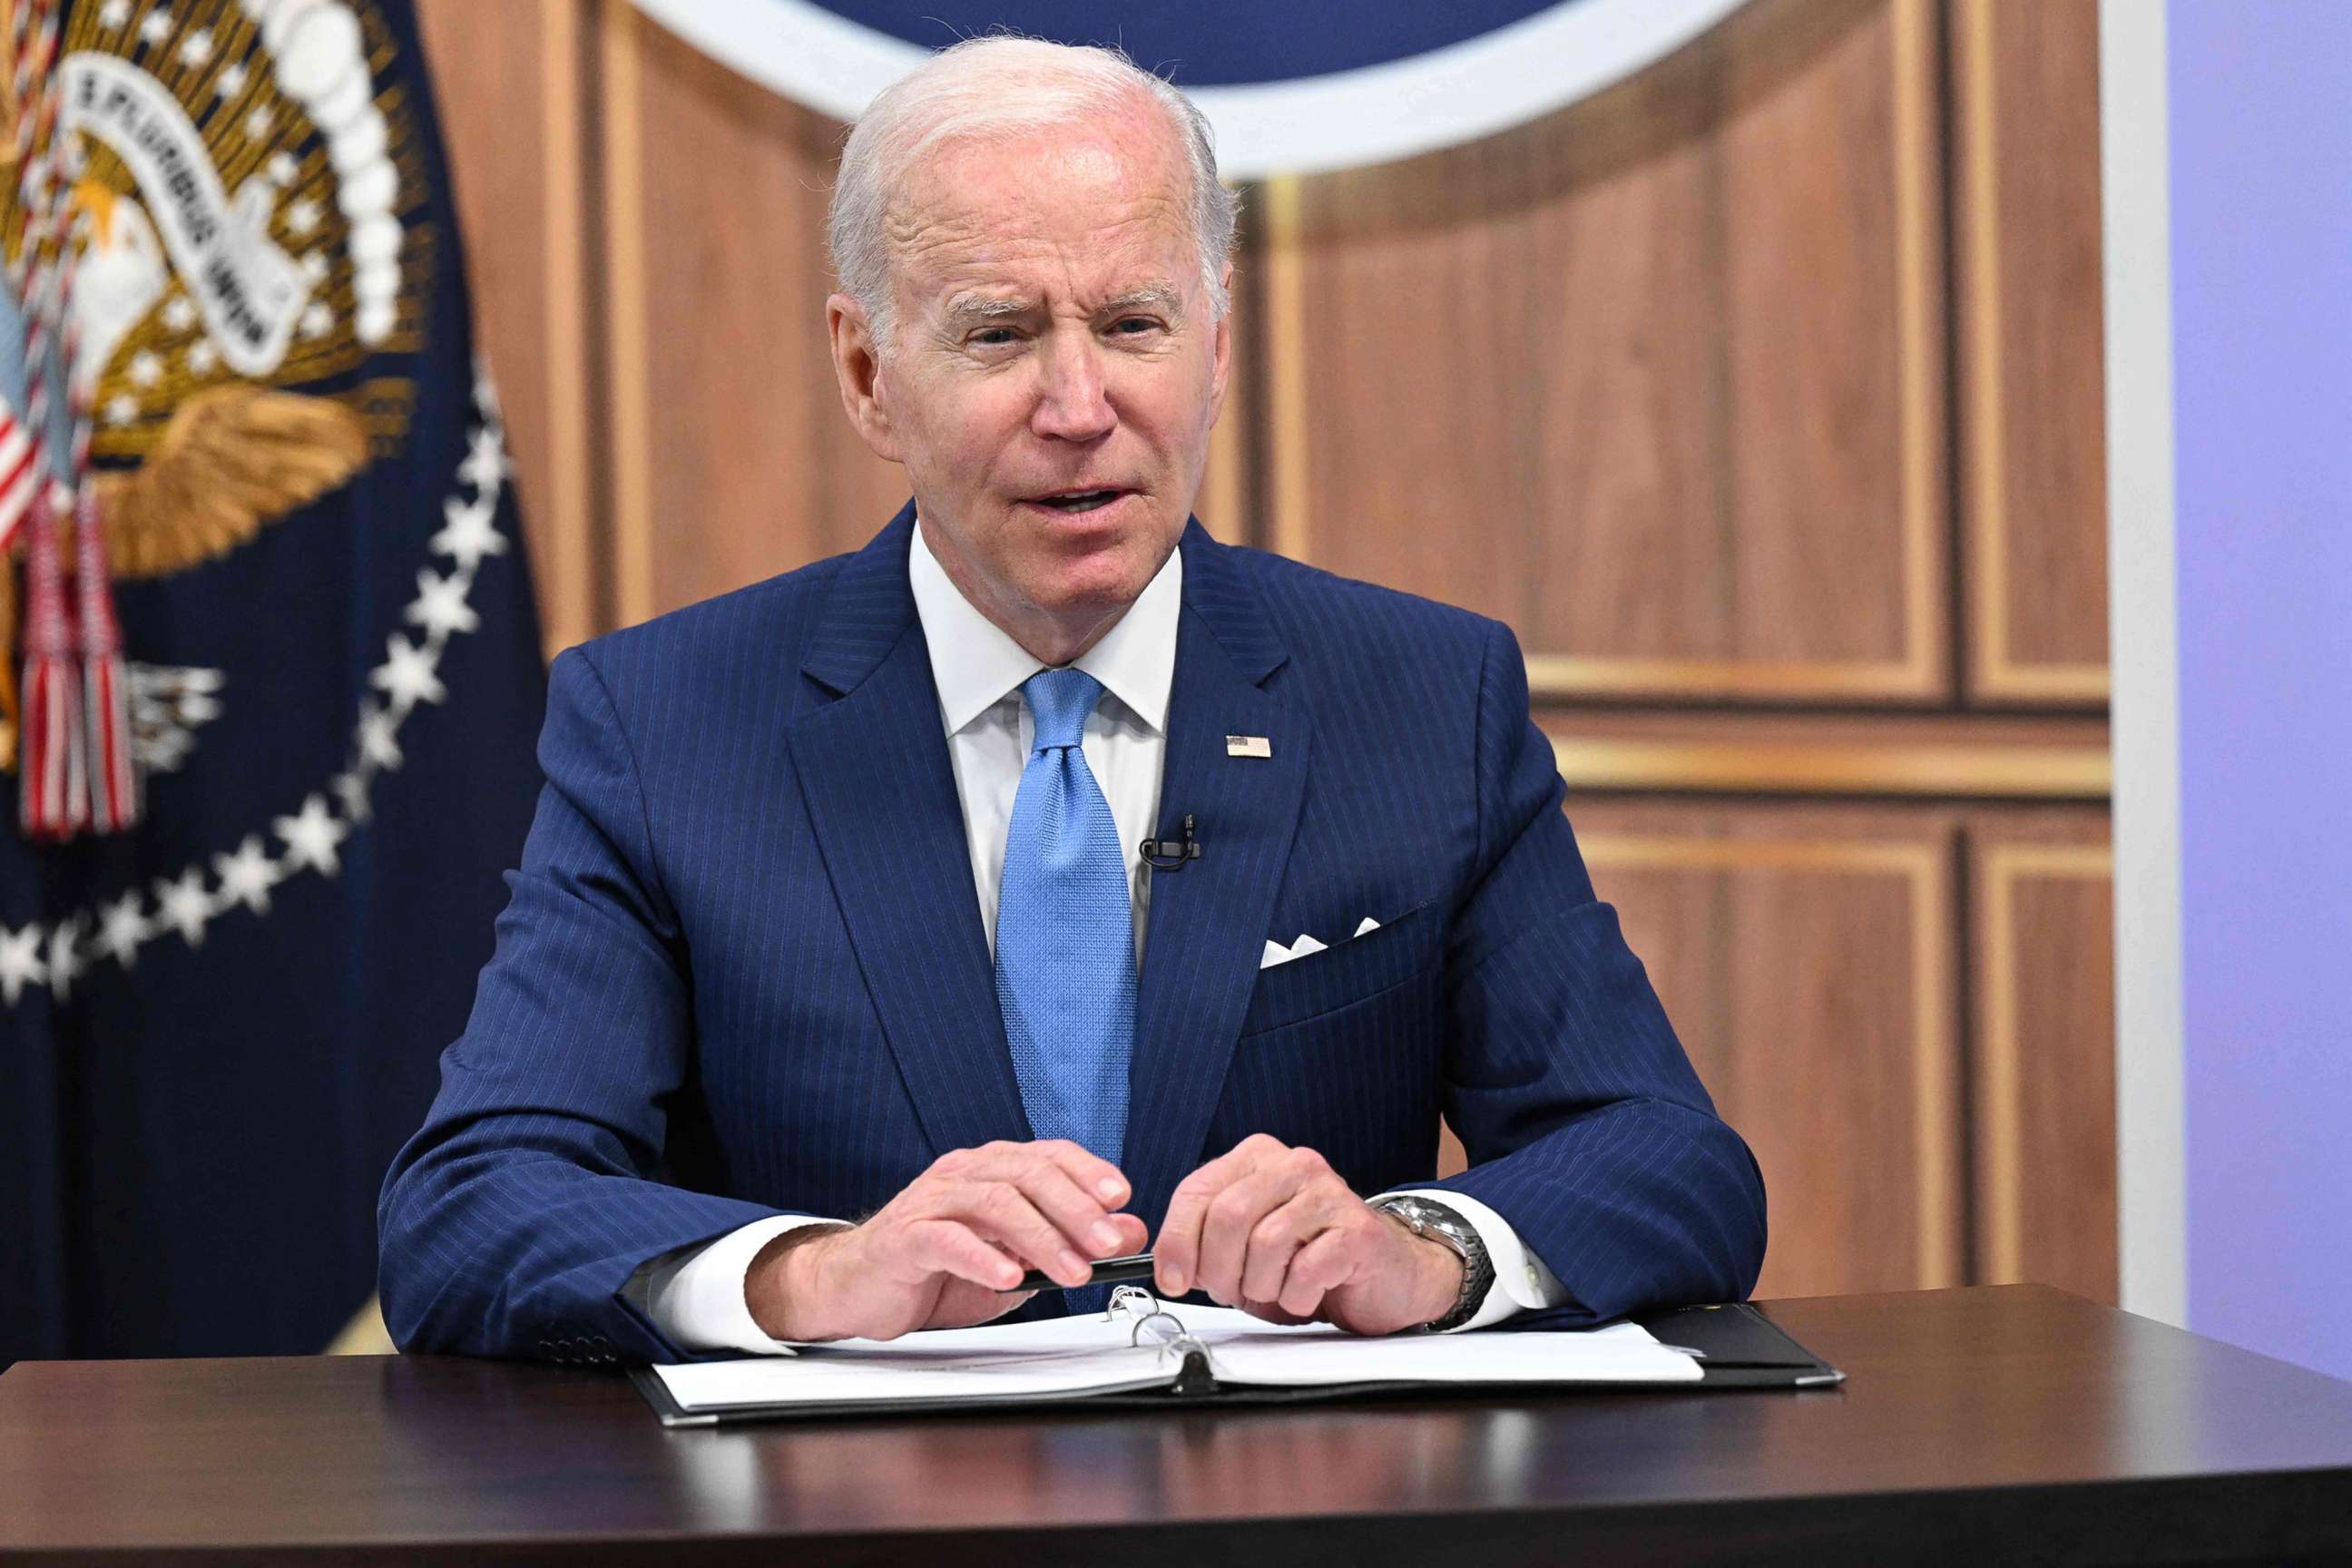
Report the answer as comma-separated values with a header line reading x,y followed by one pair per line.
x,y
1439,1223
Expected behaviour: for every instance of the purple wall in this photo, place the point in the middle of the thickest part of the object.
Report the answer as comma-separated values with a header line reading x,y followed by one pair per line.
x,y
2261,125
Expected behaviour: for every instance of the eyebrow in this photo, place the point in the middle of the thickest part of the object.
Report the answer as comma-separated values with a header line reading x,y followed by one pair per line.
x,y
982,307
1160,296
973,306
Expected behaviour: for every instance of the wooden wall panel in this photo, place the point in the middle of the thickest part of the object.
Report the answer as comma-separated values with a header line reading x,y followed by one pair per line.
x,y
739,461
1657,380
1806,960
2032,377
1834,254
2042,896
507,82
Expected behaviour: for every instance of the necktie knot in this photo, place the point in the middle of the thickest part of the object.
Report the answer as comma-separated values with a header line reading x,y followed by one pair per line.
x,y
1059,701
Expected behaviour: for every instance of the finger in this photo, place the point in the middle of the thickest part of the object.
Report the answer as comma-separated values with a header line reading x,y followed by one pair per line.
x,y
946,1247
1075,1189
1275,1239
1089,1171
1177,1251
1002,1213
1321,1267
1133,1233
1232,1214
1083,1221
1273,1313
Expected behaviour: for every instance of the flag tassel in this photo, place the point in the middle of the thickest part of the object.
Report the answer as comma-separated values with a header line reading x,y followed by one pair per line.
x,y
112,779
53,786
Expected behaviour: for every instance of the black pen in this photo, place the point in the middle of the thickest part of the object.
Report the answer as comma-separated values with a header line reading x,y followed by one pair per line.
x,y
1109,1271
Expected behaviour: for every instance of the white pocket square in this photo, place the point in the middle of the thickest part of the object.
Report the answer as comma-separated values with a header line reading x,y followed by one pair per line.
x,y
1278,954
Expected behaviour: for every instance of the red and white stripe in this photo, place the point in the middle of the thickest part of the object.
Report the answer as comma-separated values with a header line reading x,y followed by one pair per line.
x,y
19,472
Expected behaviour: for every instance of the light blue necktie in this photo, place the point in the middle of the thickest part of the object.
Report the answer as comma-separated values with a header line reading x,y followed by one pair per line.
x,y
1066,937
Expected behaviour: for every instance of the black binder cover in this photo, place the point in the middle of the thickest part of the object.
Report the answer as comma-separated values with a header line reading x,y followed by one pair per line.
x,y
1741,1347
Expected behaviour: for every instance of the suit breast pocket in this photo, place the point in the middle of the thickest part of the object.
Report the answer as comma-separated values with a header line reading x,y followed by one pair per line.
x,y
1342,975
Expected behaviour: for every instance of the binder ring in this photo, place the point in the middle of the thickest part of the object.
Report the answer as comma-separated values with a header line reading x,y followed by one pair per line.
x,y
1136,1303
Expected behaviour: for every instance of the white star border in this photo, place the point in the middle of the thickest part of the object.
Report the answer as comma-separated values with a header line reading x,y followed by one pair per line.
x,y
59,956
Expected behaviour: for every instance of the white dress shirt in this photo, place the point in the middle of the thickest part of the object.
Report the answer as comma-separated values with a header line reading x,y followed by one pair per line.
x,y
695,1295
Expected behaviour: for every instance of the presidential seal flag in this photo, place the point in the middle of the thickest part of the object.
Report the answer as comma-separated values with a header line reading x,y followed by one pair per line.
x,y
273,676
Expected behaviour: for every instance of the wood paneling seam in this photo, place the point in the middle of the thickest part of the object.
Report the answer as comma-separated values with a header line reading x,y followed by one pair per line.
x,y
1993,673
1936,1106
626,388
2074,772
2002,1096
1285,380
572,596
1914,184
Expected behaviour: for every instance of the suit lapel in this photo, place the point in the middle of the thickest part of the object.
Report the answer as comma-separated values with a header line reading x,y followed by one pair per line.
x,y
1208,922
881,795
874,768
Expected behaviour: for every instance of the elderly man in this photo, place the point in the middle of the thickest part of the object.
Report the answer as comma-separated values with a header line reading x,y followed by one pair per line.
x,y
1270,866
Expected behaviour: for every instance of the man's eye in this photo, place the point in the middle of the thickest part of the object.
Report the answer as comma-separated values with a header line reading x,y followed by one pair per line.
x,y
992,337
1134,326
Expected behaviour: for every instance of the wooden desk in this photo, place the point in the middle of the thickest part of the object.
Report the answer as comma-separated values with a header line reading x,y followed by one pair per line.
x,y
2007,1425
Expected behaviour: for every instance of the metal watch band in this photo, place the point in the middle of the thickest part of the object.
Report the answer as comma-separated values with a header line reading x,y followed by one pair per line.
x,y
1440,1223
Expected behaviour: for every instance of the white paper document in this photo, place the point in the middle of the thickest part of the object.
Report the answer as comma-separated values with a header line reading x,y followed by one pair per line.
x,y
1072,1357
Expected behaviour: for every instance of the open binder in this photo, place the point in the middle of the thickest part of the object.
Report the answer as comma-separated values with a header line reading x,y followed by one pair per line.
x,y
1140,1355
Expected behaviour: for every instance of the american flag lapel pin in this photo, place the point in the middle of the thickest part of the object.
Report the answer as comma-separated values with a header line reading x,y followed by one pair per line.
x,y
1248,746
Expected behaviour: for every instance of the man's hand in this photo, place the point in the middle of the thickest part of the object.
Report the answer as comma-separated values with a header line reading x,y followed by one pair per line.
x,y
1273,1230
939,1254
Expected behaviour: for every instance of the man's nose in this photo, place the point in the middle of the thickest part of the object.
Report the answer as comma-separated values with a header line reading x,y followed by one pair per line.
x,y
1071,404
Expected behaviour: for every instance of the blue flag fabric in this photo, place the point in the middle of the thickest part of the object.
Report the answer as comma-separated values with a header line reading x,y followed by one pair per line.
x,y
1209,43
215,1030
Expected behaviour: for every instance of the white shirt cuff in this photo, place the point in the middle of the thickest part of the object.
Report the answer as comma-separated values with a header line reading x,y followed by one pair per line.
x,y
1523,1283
695,1295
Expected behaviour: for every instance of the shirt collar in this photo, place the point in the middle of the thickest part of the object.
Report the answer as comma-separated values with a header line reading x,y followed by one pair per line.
x,y
975,664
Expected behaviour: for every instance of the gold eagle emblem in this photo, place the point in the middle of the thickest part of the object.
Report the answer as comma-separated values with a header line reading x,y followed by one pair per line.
x,y
246,240
232,458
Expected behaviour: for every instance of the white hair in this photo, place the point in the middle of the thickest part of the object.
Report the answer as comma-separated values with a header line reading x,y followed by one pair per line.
x,y
998,87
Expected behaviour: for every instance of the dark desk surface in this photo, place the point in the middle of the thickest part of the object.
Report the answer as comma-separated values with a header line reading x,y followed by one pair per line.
x,y
2011,1425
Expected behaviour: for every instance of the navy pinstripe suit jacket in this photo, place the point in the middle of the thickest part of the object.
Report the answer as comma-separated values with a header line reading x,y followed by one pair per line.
x,y
743,969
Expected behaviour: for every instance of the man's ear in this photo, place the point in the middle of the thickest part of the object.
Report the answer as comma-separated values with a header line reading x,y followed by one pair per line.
x,y
857,369
1224,349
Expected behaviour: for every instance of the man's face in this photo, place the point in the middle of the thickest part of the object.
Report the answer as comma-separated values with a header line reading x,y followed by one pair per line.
x,y
1056,369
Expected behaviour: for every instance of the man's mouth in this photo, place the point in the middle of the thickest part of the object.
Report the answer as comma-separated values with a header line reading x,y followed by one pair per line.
x,y
1074,501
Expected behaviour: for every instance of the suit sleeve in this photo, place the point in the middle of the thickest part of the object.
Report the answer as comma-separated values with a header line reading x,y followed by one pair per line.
x,y
1586,1129
511,1223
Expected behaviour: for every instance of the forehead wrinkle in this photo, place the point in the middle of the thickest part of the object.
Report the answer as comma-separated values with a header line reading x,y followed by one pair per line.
x,y
984,250
946,207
